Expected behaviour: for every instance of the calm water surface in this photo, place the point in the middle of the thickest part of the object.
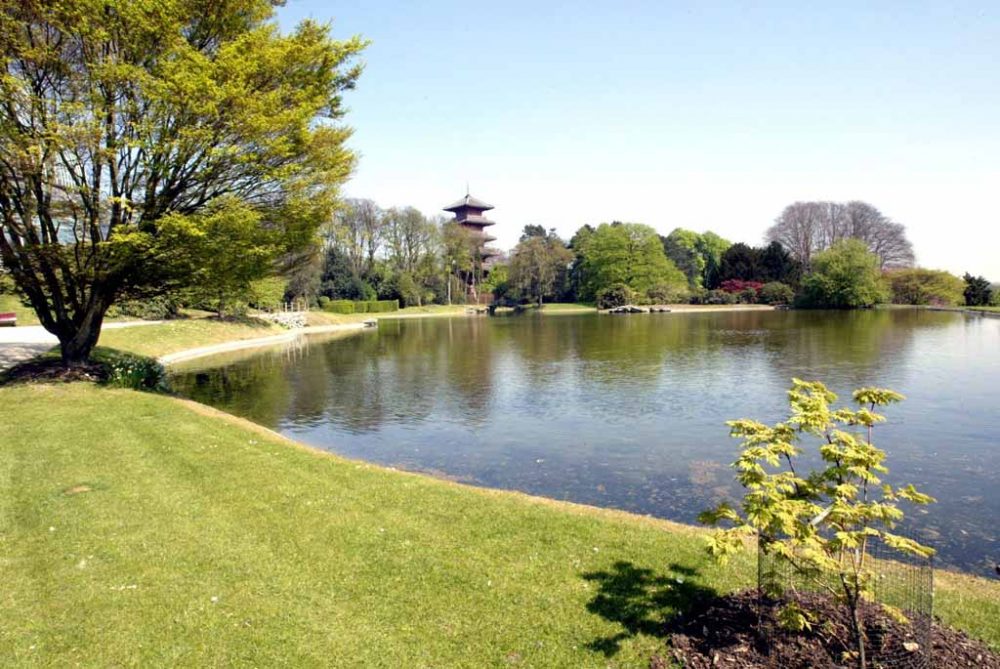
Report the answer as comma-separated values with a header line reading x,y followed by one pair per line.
x,y
629,411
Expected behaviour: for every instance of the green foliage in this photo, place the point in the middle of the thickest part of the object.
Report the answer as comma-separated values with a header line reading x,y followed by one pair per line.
x,y
714,297
378,306
225,249
340,306
845,276
153,113
150,309
135,372
323,301
266,293
978,291
681,247
821,522
361,306
616,295
625,253
776,292
539,266
925,286
664,293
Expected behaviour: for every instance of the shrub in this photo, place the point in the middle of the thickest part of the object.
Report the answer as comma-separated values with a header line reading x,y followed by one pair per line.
x,y
340,306
822,523
149,309
323,302
136,372
383,306
776,292
361,306
664,293
719,297
748,295
616,295
740,286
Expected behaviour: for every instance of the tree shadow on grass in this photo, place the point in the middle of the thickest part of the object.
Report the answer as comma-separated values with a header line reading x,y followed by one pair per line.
x,y
641,600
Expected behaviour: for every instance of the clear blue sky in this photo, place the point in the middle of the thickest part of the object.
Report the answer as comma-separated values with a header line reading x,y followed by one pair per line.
x,y
683,114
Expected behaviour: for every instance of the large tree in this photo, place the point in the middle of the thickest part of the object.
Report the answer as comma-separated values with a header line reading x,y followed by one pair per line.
x,y
626,253
806,228
978,292
122,121
538,265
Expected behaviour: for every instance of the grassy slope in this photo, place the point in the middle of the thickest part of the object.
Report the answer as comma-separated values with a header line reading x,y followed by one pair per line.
x,y
25,315
179,335
314,560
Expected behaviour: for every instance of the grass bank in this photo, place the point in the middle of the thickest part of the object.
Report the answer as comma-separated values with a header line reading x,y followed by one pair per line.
x,y
179,335
137,529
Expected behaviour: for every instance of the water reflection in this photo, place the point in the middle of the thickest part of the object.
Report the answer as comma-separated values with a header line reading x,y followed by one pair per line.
x,y
629,411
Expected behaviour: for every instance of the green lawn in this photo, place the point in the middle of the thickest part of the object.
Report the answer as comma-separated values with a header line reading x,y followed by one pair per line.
x,y
179,335
142,531
25,315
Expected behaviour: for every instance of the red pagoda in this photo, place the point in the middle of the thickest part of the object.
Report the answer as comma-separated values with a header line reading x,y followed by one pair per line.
x,y
469,215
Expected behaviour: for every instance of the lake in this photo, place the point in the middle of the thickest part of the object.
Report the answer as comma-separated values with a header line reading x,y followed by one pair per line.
x,y
629,411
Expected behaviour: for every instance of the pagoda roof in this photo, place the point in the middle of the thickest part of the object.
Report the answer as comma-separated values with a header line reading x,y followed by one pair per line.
x,y
474,220
468,202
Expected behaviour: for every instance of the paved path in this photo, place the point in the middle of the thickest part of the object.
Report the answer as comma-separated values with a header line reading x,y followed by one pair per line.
x,y
18,344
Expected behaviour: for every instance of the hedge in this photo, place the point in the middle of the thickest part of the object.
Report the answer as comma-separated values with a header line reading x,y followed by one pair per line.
x,y
361,307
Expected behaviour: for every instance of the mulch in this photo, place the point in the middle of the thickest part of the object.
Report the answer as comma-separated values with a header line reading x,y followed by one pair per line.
x,y
48,370
740,631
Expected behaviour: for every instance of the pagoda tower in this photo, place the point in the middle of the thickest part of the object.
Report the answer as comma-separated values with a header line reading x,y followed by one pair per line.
x,y
469,215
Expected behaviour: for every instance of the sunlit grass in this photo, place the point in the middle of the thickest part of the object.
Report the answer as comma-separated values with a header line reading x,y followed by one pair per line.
x,y
139,530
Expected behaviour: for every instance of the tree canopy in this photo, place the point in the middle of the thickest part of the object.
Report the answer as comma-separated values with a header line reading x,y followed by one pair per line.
x,y
538,265
626,253
120,116
697,255
925,286
807,228
845,276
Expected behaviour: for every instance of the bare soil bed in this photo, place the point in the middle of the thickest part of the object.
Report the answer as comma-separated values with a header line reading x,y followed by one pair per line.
x,y
729,632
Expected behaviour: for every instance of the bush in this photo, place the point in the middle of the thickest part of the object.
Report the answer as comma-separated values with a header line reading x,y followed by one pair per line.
x,y
748,295
740,286
664,293
383,306
149,309
720,297
845,276
340,306
925,286
323,302
136,373
616,295
361,307
776,292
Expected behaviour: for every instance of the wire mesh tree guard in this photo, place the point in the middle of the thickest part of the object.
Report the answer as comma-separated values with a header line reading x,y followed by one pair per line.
x,y
897,617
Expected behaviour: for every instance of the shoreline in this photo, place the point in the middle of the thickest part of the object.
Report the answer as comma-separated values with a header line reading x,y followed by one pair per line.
x,y
292,335
259,342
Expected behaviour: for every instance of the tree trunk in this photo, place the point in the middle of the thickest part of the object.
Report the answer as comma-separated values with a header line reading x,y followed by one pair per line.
x,y
77,342
859,634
